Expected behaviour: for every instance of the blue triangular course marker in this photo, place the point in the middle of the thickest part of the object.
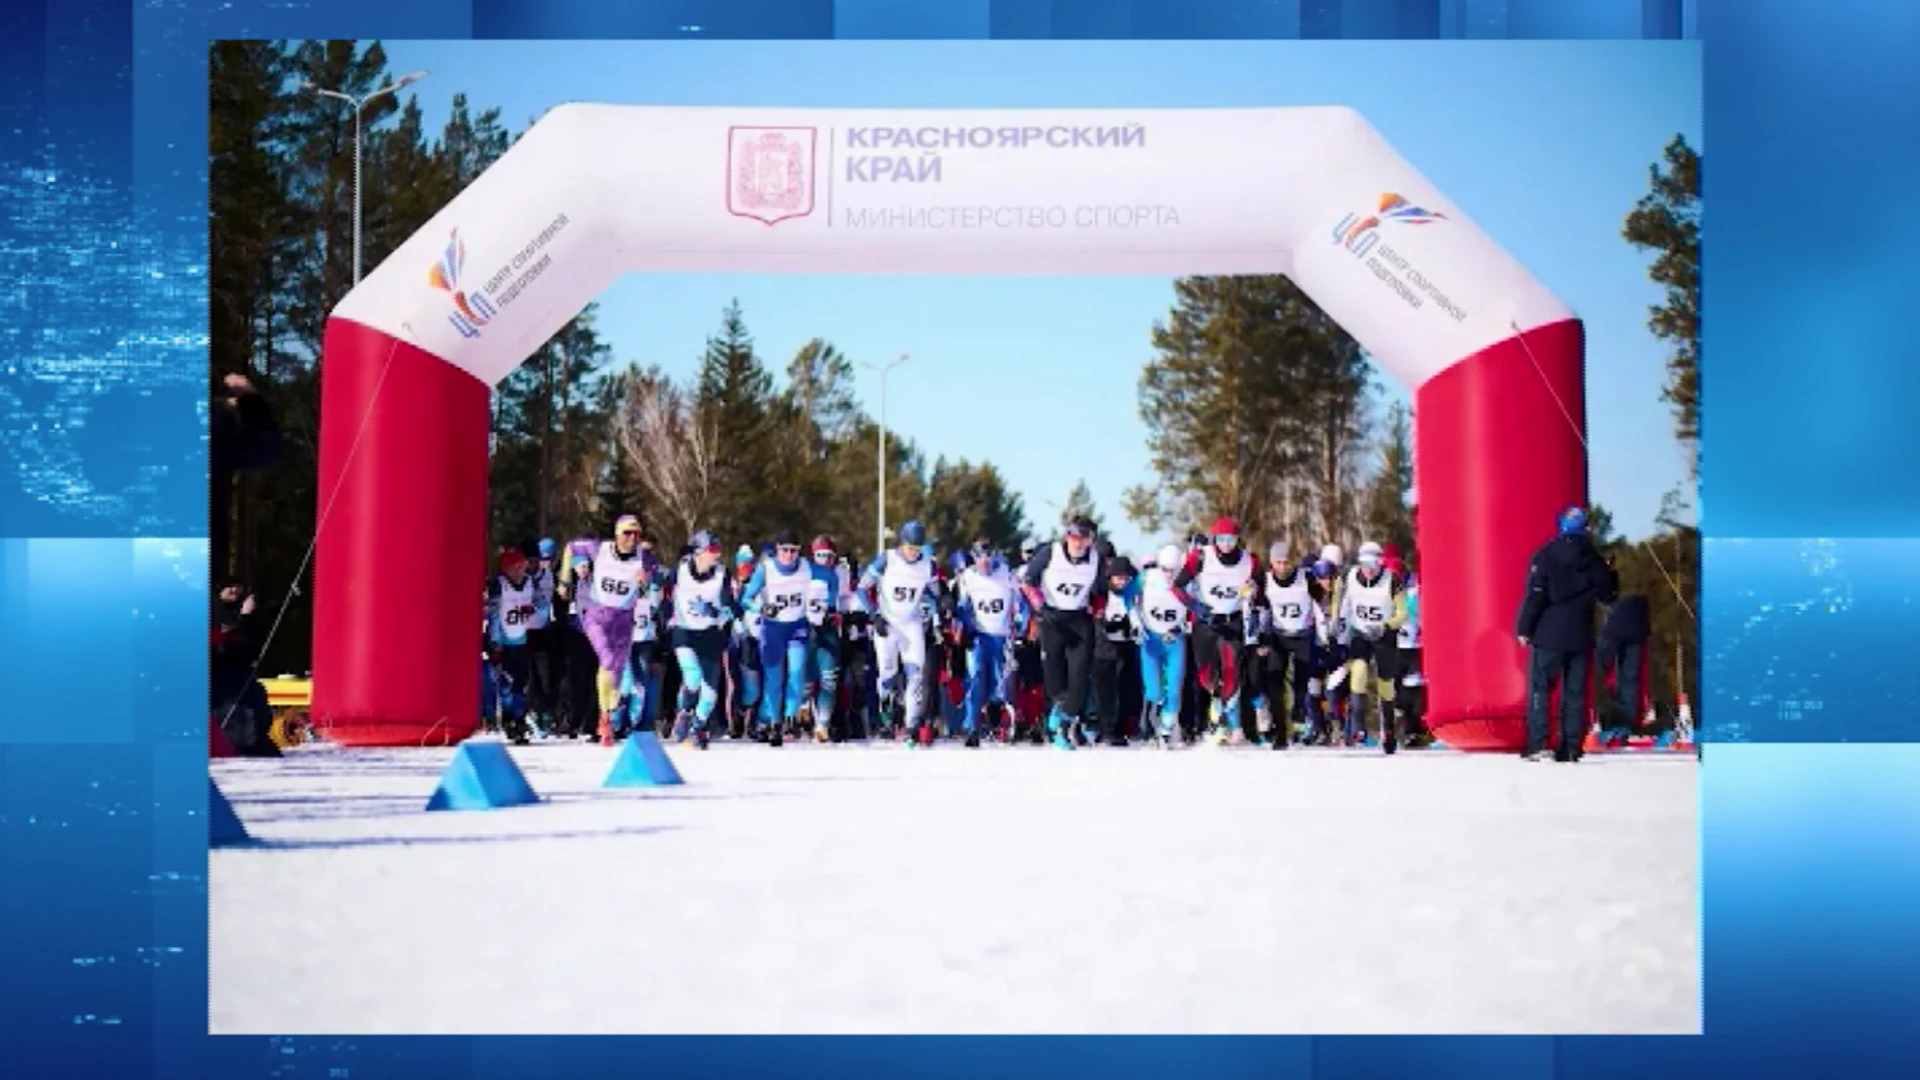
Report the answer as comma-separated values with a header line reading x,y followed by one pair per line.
x,y
482,776
223,825
643,762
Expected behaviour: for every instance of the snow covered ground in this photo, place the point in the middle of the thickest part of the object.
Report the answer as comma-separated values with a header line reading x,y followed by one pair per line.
x,y
877,890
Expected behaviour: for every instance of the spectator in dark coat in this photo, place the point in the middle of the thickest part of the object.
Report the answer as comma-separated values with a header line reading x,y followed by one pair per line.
x,y
1622,654
241,434
238,699
1566,579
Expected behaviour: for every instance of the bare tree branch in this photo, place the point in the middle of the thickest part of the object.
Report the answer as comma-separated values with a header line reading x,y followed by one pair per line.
x,y
671,449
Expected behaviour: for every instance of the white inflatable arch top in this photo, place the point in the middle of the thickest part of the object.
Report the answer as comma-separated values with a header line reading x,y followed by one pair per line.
x,y
592,192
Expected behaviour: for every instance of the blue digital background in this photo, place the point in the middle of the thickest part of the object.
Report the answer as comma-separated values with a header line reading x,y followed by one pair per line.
x,y
1810,853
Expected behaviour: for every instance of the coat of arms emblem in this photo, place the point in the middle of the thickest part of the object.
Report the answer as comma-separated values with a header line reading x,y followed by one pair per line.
x,y
770,172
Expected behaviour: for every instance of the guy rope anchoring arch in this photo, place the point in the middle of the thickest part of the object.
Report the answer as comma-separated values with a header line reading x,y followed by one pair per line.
x,y
595,191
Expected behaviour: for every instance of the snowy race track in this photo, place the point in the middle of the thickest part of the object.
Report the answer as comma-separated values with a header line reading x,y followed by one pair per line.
x,y
879,890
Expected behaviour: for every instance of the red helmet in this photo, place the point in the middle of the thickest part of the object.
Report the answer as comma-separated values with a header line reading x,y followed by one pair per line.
x,y
823,542
1225,526
512,559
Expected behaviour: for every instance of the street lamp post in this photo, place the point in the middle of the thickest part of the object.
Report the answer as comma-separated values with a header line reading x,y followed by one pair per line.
x,y
880,463
359,109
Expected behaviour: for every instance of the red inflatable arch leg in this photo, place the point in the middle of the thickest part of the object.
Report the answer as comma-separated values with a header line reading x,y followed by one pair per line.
x,y
1495,460
402,548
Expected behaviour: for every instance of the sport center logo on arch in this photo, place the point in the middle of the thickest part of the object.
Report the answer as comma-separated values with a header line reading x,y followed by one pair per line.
x,y
770,172
470,310
475,308
1361,235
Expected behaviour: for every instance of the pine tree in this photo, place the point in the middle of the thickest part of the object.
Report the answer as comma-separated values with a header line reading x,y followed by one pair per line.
x,y
406,183
816,411
851,517
469,143
1666,221
735,395
1666,566
1389,517
248,209
551,442
621,490
1253,406
247,196
1080,504
323,171
1600,527
967,501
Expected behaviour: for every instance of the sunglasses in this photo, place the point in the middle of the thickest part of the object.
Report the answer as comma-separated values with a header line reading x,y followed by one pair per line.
x,y
823,556
1226,538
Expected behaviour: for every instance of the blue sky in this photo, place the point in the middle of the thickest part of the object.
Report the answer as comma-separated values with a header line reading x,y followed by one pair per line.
x,y
1545,144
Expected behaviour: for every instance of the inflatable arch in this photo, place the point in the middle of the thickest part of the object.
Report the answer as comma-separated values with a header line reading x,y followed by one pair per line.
x,y
594,191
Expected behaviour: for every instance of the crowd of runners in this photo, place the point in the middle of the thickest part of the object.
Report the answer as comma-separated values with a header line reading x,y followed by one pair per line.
x,y
1071,643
